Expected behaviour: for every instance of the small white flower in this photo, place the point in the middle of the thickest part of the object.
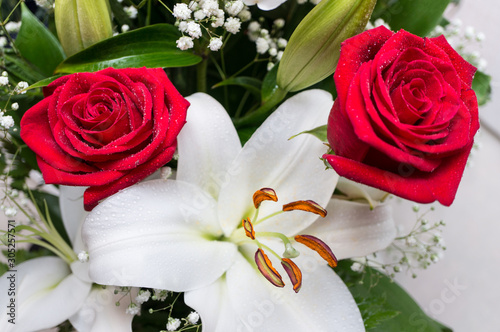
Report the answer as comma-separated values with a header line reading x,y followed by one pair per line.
x,y
254,26
264,33
21,86
215,43
160,294
131,12
194,29
143,296
279,23
301,2
83,256
282,42
165,172
199,15
315,2
232,25
245,15
3,42
480,36
125,28
13,26
4,80
270,66
482,64
14,106
262,45
5,74
173,324
10,212
279,55
210,7
133,309
469,32
185,43
7,122
193,317
218,22
183,25
233,8
357,267
182,11
273,52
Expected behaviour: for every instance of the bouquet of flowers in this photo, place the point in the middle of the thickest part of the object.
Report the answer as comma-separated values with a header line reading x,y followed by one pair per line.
x,y
226,165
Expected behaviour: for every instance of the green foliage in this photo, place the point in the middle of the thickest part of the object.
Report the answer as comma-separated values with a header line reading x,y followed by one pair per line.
x,y
250,83
37,44
318,132
153,47
482,86
384,305
418,17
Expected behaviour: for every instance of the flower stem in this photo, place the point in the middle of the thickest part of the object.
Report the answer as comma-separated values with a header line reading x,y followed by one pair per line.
x,y
201,75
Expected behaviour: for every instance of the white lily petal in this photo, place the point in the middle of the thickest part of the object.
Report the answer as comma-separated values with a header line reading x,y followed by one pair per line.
x,y
351,229
47,294
156,234
100,313
355,190
291,167
213,304
207,144
323,303
72,212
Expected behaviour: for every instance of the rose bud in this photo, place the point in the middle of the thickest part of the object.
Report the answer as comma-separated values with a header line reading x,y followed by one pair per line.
x,y
81,23
405,117
106,130
313,50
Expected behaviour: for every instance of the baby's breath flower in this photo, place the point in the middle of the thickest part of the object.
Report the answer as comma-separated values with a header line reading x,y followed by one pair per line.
x,y
131,12
10,212
193,317
3,42
357,267
282,42
4,80
143,296
13,26
182,26
233,8
194,29
7,121
262,45
182,11
215,43
232,25
199,15
270,66
245,15
21,86
173,324
125,28
279,23
185,43
210,7
132,309
254,26
160,294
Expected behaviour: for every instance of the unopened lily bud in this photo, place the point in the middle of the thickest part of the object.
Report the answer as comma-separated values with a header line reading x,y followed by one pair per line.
x,y
81,23
313,50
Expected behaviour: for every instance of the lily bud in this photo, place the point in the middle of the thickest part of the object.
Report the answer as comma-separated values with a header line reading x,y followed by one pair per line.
x,y
81,23
314,48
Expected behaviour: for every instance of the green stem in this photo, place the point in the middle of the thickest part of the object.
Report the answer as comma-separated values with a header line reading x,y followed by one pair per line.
x,y
201,75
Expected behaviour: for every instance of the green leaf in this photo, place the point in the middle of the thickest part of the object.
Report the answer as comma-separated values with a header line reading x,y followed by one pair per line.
x,y
418,17
153,46
21,69
37,44
250,83
44,82
482,86
384,305
269,85
54,211
318,132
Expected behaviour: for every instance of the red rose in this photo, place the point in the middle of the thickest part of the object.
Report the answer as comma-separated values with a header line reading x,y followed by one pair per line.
x,y
405,116
107,130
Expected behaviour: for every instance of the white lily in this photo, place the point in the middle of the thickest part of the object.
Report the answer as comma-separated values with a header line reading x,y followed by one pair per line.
x,y
50,290
187,235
